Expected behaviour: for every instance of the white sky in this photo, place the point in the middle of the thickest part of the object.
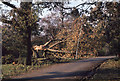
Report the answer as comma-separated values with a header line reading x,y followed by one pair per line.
x,y
72,3
46,11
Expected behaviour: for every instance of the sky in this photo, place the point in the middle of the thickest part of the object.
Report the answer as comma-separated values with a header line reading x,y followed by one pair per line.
x,y
72,3
46,11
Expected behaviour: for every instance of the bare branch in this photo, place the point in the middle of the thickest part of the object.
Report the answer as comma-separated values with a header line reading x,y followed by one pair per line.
x,y
56,43
10,5
6,21
86,4
59,51
47,43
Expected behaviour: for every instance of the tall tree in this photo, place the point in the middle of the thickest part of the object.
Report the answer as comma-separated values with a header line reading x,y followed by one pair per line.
x,y
108,14
24,21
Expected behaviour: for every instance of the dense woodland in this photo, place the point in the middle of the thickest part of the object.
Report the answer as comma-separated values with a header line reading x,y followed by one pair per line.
x,y
90,28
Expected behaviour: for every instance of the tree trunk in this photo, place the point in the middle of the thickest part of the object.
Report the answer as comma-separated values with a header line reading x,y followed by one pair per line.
x,y
78,43
27,7
29,47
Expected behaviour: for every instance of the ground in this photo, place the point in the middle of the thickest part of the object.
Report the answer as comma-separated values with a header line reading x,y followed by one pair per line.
x,y
9,70
73,70
109,70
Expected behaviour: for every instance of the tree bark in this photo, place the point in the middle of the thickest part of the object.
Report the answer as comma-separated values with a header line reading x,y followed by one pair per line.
x,y
78,42
26,6
29,47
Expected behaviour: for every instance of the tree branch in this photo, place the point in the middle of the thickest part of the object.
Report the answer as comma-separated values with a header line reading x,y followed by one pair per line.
x,y
47,43
6,21
56,44
10,5
85,4
59,51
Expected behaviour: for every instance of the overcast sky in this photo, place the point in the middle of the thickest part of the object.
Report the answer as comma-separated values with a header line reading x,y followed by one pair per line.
x,y
72,4
46,11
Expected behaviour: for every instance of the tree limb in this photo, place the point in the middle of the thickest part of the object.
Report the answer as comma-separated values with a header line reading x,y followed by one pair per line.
x,y
59,51
85,4
10,5
47,43
6,21
56,43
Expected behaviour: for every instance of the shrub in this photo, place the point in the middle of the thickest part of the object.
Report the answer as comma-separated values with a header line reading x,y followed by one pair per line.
x,y
101,53
8,59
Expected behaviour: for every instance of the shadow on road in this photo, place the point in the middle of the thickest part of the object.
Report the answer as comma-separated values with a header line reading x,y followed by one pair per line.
x,y
46,80
57,75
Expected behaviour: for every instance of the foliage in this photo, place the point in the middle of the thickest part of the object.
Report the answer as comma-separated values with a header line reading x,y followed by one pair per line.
x,y
89,38
100,30
7,59
108,13
101,52
12,41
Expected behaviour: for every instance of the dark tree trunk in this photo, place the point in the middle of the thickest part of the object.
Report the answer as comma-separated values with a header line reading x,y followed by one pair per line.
x,y
27,7
29,47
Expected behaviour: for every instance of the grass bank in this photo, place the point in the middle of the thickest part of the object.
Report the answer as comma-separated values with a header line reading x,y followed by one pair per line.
x,y
109,70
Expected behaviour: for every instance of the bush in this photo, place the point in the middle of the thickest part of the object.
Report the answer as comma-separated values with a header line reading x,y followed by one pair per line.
x,y
101,53
8,59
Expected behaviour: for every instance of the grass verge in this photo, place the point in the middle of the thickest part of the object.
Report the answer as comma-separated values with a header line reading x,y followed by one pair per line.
x,y
109,70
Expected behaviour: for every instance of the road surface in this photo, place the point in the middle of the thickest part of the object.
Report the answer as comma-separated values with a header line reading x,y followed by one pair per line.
x,y
72,70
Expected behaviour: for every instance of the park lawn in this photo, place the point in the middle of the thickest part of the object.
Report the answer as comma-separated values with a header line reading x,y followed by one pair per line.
x,y
109,70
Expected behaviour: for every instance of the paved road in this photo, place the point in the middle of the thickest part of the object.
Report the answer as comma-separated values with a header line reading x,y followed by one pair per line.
x,y
73,70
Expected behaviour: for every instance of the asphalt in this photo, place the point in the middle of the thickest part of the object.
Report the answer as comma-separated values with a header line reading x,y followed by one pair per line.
x,y
73,71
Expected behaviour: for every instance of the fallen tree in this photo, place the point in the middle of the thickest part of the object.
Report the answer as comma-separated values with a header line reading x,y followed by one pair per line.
x,y
46,47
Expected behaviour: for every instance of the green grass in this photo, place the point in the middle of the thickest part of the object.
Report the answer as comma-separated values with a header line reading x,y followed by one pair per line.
x,y
109,70
11,70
